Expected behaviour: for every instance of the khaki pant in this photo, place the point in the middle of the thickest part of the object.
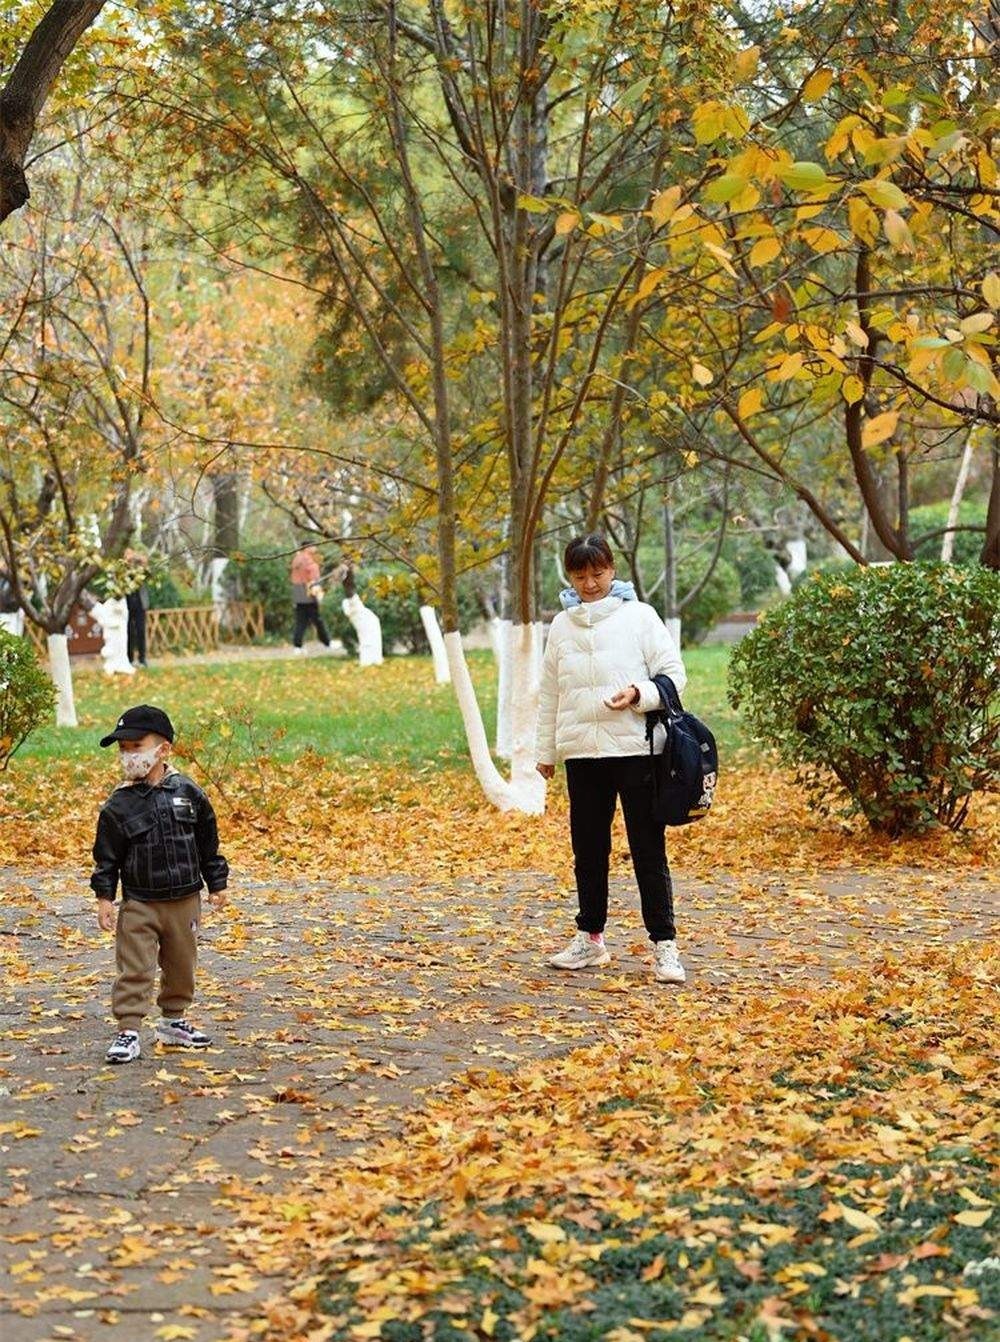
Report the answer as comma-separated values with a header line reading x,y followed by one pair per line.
x,y
150,932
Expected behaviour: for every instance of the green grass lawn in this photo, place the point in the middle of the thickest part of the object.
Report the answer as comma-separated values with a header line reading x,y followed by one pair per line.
x,y
394,713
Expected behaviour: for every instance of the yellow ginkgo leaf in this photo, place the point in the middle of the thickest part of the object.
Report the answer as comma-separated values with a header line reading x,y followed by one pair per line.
x,y
764,251
858,1219
879,428
974,1216
852,390
897,230
817,85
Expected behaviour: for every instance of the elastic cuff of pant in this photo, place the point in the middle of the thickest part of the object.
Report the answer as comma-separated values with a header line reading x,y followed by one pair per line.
x,y
132,1026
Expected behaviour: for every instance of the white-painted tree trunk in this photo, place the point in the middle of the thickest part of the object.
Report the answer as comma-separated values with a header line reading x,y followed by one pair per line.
x,y
798,554
503,735
217,567
442,661
494,629
525,790
674,629
12,621
62,678
112,616
368,628
515,645
782,581
525,674
948,540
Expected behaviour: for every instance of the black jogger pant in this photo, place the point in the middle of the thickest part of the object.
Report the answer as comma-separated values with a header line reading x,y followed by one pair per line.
x,y
136,628
307,613
594,785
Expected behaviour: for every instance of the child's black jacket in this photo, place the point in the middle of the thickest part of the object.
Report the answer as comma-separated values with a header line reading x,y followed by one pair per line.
x,y
161,842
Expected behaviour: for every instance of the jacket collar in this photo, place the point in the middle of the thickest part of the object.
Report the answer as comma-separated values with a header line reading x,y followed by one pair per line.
x,y
589,613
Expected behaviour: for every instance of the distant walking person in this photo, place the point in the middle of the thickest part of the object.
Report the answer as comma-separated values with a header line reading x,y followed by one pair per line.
x,y
306,592
603,650
137,602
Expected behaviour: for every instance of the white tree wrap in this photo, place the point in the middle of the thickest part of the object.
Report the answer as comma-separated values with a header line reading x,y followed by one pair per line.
x,y
368,628
62,678
442,674
112,616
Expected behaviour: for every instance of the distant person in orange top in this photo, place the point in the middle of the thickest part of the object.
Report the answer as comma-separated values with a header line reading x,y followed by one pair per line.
x,y
306,594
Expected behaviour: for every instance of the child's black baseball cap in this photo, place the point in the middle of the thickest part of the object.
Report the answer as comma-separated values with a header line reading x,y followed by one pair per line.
x,y
134,723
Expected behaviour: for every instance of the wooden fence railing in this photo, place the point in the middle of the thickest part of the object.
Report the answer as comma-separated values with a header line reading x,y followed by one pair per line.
x,y
187,628
182,629
241,621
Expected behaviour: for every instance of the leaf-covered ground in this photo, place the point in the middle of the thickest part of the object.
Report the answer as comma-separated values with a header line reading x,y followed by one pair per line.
x,y
796,1144
814,1161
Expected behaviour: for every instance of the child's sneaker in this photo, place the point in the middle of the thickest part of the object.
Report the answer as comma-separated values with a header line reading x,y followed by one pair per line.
x,y
581,953
180,1034
667,967
124,1047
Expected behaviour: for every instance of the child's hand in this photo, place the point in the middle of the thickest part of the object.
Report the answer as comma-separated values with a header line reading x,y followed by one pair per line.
x,y
106,915
217,898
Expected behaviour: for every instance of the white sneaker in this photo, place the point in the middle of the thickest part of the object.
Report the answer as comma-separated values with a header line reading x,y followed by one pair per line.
x,y
180,1034
124,1047
581,953
298,652
667,967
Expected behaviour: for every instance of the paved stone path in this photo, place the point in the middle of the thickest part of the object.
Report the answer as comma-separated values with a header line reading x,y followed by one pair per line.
x,y
334,1009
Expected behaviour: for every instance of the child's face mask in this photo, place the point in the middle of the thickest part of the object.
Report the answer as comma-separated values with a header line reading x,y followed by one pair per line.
x,y
136,764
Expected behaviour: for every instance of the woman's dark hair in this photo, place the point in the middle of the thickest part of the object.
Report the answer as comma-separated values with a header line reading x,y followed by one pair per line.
x,y
591,551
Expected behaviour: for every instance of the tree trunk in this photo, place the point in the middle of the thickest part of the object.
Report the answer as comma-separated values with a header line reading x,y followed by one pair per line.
x,y
526,790
671,615
368,628
961,480
990,554
226,497
504,734
62,678
432,629
28,86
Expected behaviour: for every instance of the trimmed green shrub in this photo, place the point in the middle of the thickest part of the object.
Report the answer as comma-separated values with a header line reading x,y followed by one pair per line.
x,y
887,677
719,596
27,695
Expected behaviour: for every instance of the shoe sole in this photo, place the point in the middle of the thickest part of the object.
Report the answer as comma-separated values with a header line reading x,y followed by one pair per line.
x,y
587,964
120,1062
660,979
177,1043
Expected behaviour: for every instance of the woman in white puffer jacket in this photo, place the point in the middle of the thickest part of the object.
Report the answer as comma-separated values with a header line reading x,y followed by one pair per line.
x,y
602,652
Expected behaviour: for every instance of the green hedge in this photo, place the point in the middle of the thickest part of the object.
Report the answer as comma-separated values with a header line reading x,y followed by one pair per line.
x,y
27,695
887,677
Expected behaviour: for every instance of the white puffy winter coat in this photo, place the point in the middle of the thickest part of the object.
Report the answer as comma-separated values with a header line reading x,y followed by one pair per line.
x,y
593,651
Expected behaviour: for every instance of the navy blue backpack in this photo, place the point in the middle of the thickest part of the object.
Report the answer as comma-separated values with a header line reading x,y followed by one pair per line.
x,y
685,775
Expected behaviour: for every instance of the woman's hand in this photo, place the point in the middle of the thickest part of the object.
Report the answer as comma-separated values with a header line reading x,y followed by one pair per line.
x,y
546,770
626,698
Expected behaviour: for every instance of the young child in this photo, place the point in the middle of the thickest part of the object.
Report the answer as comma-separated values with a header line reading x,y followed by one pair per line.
x,y
156,833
